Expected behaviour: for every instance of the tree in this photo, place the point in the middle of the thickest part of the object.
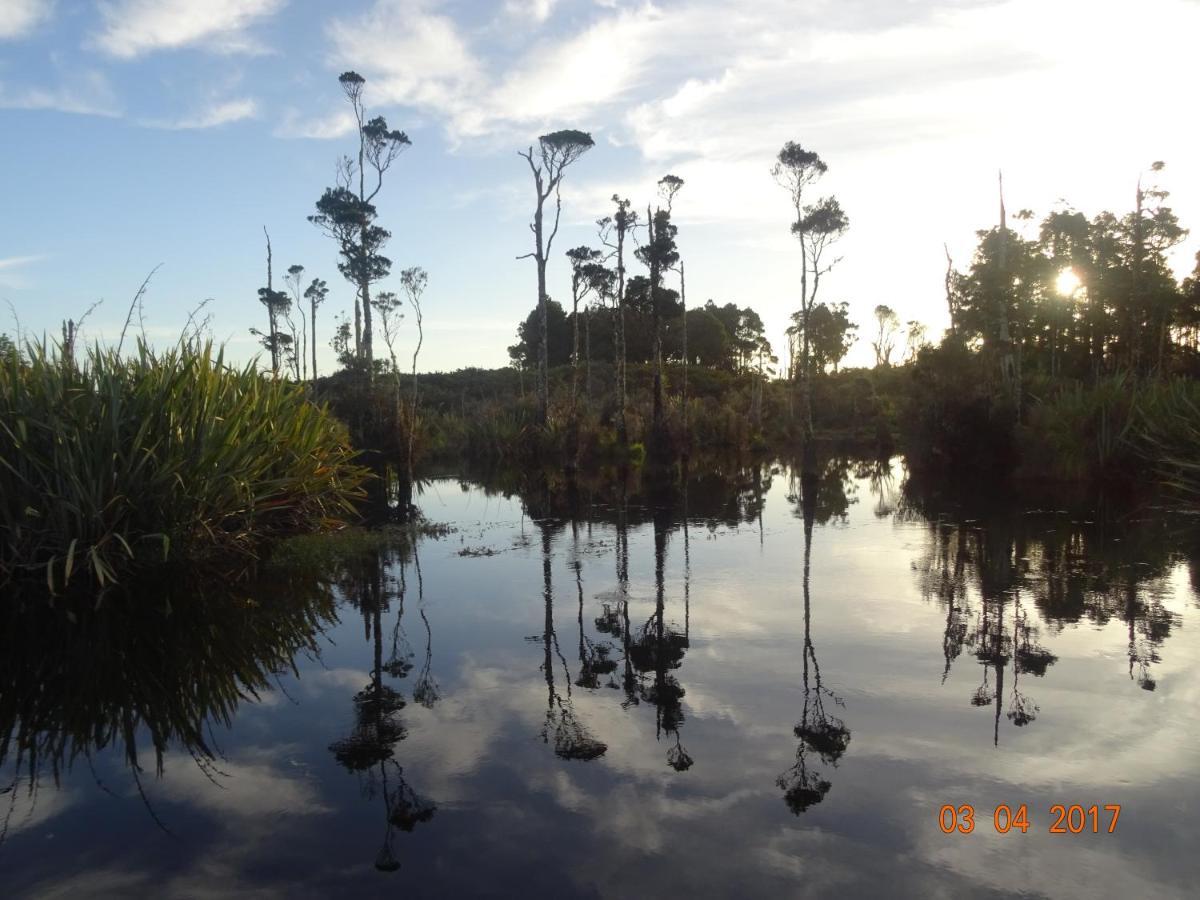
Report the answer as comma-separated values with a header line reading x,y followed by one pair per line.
x,y
558,331
556,151
586,275
414,280
613,232
707,339
885,338
831,334
299,335
388,305
660,254
824,223
349,217
315,293
276,303
914,339
816,226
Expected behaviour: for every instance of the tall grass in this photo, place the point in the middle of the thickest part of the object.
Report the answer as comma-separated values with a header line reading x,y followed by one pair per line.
x,y
119,461
1169,434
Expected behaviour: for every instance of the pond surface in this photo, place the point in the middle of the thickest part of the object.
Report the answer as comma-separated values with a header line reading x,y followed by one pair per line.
x,y
744,687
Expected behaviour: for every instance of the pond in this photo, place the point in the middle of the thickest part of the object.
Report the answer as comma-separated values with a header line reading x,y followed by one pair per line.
x,y
743,686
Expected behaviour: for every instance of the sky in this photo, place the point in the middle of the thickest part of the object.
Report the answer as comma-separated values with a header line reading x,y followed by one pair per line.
x,y
143,133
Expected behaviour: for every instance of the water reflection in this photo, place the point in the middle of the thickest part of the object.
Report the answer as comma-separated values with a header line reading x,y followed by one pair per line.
x,y
371,583
163,663
819,731
1004,574
571,738
627,681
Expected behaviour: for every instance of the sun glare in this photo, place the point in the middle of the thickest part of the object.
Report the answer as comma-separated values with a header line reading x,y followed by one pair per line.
x,y
1068,282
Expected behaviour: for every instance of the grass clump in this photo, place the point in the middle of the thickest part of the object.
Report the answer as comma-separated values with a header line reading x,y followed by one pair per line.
x,y
120,461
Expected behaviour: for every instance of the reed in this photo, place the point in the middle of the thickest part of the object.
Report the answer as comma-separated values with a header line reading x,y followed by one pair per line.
x,y
117,461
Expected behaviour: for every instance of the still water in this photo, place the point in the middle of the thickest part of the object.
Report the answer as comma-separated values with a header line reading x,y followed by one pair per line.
x,y
742,687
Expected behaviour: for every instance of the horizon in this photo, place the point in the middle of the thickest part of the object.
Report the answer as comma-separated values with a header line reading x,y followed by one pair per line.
x,y
165,133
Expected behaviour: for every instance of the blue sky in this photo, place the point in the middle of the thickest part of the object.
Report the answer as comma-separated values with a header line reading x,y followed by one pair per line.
x,y
142,132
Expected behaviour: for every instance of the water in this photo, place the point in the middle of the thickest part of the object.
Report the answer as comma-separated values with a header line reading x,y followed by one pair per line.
x,y
753,688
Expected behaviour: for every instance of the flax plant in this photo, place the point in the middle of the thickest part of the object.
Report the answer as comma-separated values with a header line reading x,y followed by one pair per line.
x,y
115,462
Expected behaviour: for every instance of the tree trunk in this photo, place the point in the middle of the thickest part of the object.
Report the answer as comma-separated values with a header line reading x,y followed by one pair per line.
x,y
313,305
272,315
657,316
684,405
587,354
543,373
574,347
619,313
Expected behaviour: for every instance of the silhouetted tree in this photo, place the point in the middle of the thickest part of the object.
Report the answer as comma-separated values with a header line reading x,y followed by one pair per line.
x,y
556,151
796,170
349,217
887,325
614,230
414,281
315,293
299,334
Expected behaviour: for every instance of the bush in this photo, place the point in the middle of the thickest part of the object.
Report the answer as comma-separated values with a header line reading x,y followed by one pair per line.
x,y
123,461
952,422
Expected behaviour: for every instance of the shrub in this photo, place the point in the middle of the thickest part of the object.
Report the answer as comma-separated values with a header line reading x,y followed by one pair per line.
x,y
126,460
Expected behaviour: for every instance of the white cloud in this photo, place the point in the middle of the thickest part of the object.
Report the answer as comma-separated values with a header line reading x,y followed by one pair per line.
x,y
219,113
13,261
415,56
537,10
87,93
19,17
134,27
334,125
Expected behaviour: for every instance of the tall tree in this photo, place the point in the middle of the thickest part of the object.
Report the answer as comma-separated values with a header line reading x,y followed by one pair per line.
x,y
888,325
614,231
659,253
414,281
816,226
914,339
349,216
556,151
586,274
315,293
299,334
276,303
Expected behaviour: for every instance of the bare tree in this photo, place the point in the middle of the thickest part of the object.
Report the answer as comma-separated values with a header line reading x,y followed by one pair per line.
x,y
414,280
556,151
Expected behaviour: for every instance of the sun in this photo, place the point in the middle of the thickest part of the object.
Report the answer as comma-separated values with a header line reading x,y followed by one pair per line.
x,y
1068,282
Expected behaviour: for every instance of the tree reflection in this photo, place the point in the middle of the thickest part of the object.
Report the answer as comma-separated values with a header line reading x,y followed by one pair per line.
x,y
1004,574
819,731
571,738
657,650
165,660
369,750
